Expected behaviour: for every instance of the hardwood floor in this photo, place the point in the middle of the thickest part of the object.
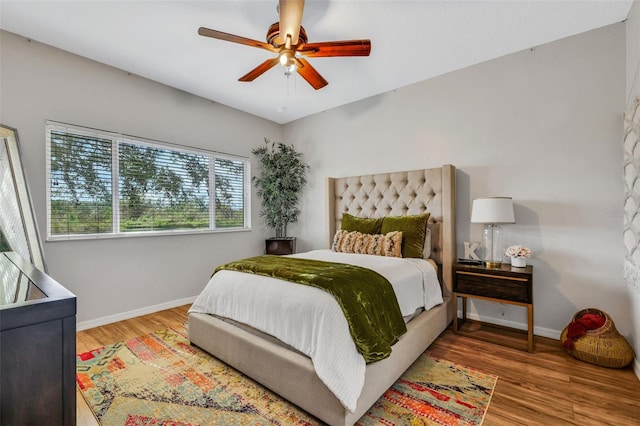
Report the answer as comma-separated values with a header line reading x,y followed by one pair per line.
x,y
547,387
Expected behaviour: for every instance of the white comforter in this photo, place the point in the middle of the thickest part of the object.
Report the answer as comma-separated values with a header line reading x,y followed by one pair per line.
x,y
310,320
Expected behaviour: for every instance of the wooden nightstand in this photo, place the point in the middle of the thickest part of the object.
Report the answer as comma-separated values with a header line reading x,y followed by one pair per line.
x,y
505,284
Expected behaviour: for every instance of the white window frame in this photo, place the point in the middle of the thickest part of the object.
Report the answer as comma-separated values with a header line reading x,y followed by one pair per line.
x,y
116,139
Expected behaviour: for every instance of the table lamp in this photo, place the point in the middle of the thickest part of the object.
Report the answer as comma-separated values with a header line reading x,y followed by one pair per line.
x,y
491,212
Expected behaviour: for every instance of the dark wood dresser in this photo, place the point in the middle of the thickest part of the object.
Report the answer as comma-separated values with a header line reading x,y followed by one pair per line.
x,y
37,346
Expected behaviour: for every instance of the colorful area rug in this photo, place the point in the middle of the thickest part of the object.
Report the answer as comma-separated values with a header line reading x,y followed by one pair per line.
x,y
160,379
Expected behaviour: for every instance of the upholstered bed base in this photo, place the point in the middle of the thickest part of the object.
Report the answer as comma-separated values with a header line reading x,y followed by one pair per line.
x,y
291,374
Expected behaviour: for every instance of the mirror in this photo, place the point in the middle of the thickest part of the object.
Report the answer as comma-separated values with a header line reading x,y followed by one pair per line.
x,y
16,286
18,230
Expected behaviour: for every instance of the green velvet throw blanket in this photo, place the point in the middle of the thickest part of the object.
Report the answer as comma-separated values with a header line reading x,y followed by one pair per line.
x,y
366,297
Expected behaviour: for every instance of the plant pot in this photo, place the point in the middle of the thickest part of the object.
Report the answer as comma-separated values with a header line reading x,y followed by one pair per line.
x,y
519,262
280,246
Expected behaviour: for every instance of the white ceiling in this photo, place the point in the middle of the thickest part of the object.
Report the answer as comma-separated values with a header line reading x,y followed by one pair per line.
x,y
411,41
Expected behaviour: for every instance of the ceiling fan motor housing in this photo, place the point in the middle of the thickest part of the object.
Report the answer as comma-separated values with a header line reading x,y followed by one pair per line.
x,y
274,39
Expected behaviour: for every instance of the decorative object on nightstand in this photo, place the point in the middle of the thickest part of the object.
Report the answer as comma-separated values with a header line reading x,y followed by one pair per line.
x,y
491,212
518,255
513,286
470,248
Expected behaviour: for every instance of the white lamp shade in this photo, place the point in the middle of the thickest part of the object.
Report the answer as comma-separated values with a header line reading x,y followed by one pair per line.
x,y
492,210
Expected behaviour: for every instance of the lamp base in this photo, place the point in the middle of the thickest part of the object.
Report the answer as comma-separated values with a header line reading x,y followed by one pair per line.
x,y
492,264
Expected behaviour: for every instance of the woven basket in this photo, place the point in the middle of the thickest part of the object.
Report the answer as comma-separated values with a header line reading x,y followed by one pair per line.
x,y
603,346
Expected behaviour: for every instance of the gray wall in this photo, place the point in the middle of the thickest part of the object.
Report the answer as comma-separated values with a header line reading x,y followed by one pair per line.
x,y
115,278
543,126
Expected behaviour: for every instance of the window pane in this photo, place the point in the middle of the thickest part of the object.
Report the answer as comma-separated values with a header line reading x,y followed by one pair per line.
x,y
80,184
229,193
162,189
106,183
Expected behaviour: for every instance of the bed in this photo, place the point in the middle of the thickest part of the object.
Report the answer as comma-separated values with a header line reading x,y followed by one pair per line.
x,y
289,372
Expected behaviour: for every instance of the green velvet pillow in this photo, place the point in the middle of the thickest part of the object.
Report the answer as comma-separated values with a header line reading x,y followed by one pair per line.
x,y
413,228
361,224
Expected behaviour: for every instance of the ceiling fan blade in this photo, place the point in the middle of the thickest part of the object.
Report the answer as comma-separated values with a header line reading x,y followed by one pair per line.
x,y
259,70
290,19
310,74
235,39
336,48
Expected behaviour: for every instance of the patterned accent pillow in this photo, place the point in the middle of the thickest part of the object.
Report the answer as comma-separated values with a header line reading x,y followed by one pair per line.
x,y
389,244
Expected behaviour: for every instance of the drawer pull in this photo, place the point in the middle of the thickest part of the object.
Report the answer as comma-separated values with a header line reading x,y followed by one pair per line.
x,y
476,274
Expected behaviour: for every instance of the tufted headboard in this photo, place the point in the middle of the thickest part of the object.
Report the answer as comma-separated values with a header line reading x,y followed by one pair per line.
x,y
400,194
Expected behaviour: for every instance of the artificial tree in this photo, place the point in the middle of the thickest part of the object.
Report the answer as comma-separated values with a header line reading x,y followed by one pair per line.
x,y
281,177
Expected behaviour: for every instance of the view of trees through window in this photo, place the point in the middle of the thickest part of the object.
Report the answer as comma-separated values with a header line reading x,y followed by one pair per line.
x,y
157,188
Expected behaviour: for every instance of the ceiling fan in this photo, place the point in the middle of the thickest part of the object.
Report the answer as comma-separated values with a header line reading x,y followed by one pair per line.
x,y
288,39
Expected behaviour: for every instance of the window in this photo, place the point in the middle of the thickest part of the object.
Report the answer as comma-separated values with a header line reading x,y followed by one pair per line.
x,y
106,184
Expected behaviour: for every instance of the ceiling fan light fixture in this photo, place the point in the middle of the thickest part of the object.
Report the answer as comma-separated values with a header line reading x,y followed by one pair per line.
x,y
286,57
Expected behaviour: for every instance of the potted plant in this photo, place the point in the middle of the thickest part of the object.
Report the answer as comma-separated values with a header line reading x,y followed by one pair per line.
x,y
518,255
281,177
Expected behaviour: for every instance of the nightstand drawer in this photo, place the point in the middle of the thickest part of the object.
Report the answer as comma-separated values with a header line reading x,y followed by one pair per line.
x,y
493,286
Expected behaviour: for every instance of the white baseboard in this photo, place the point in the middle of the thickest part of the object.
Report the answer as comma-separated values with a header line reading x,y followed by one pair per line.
x,y
538,331
84,325
636,367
